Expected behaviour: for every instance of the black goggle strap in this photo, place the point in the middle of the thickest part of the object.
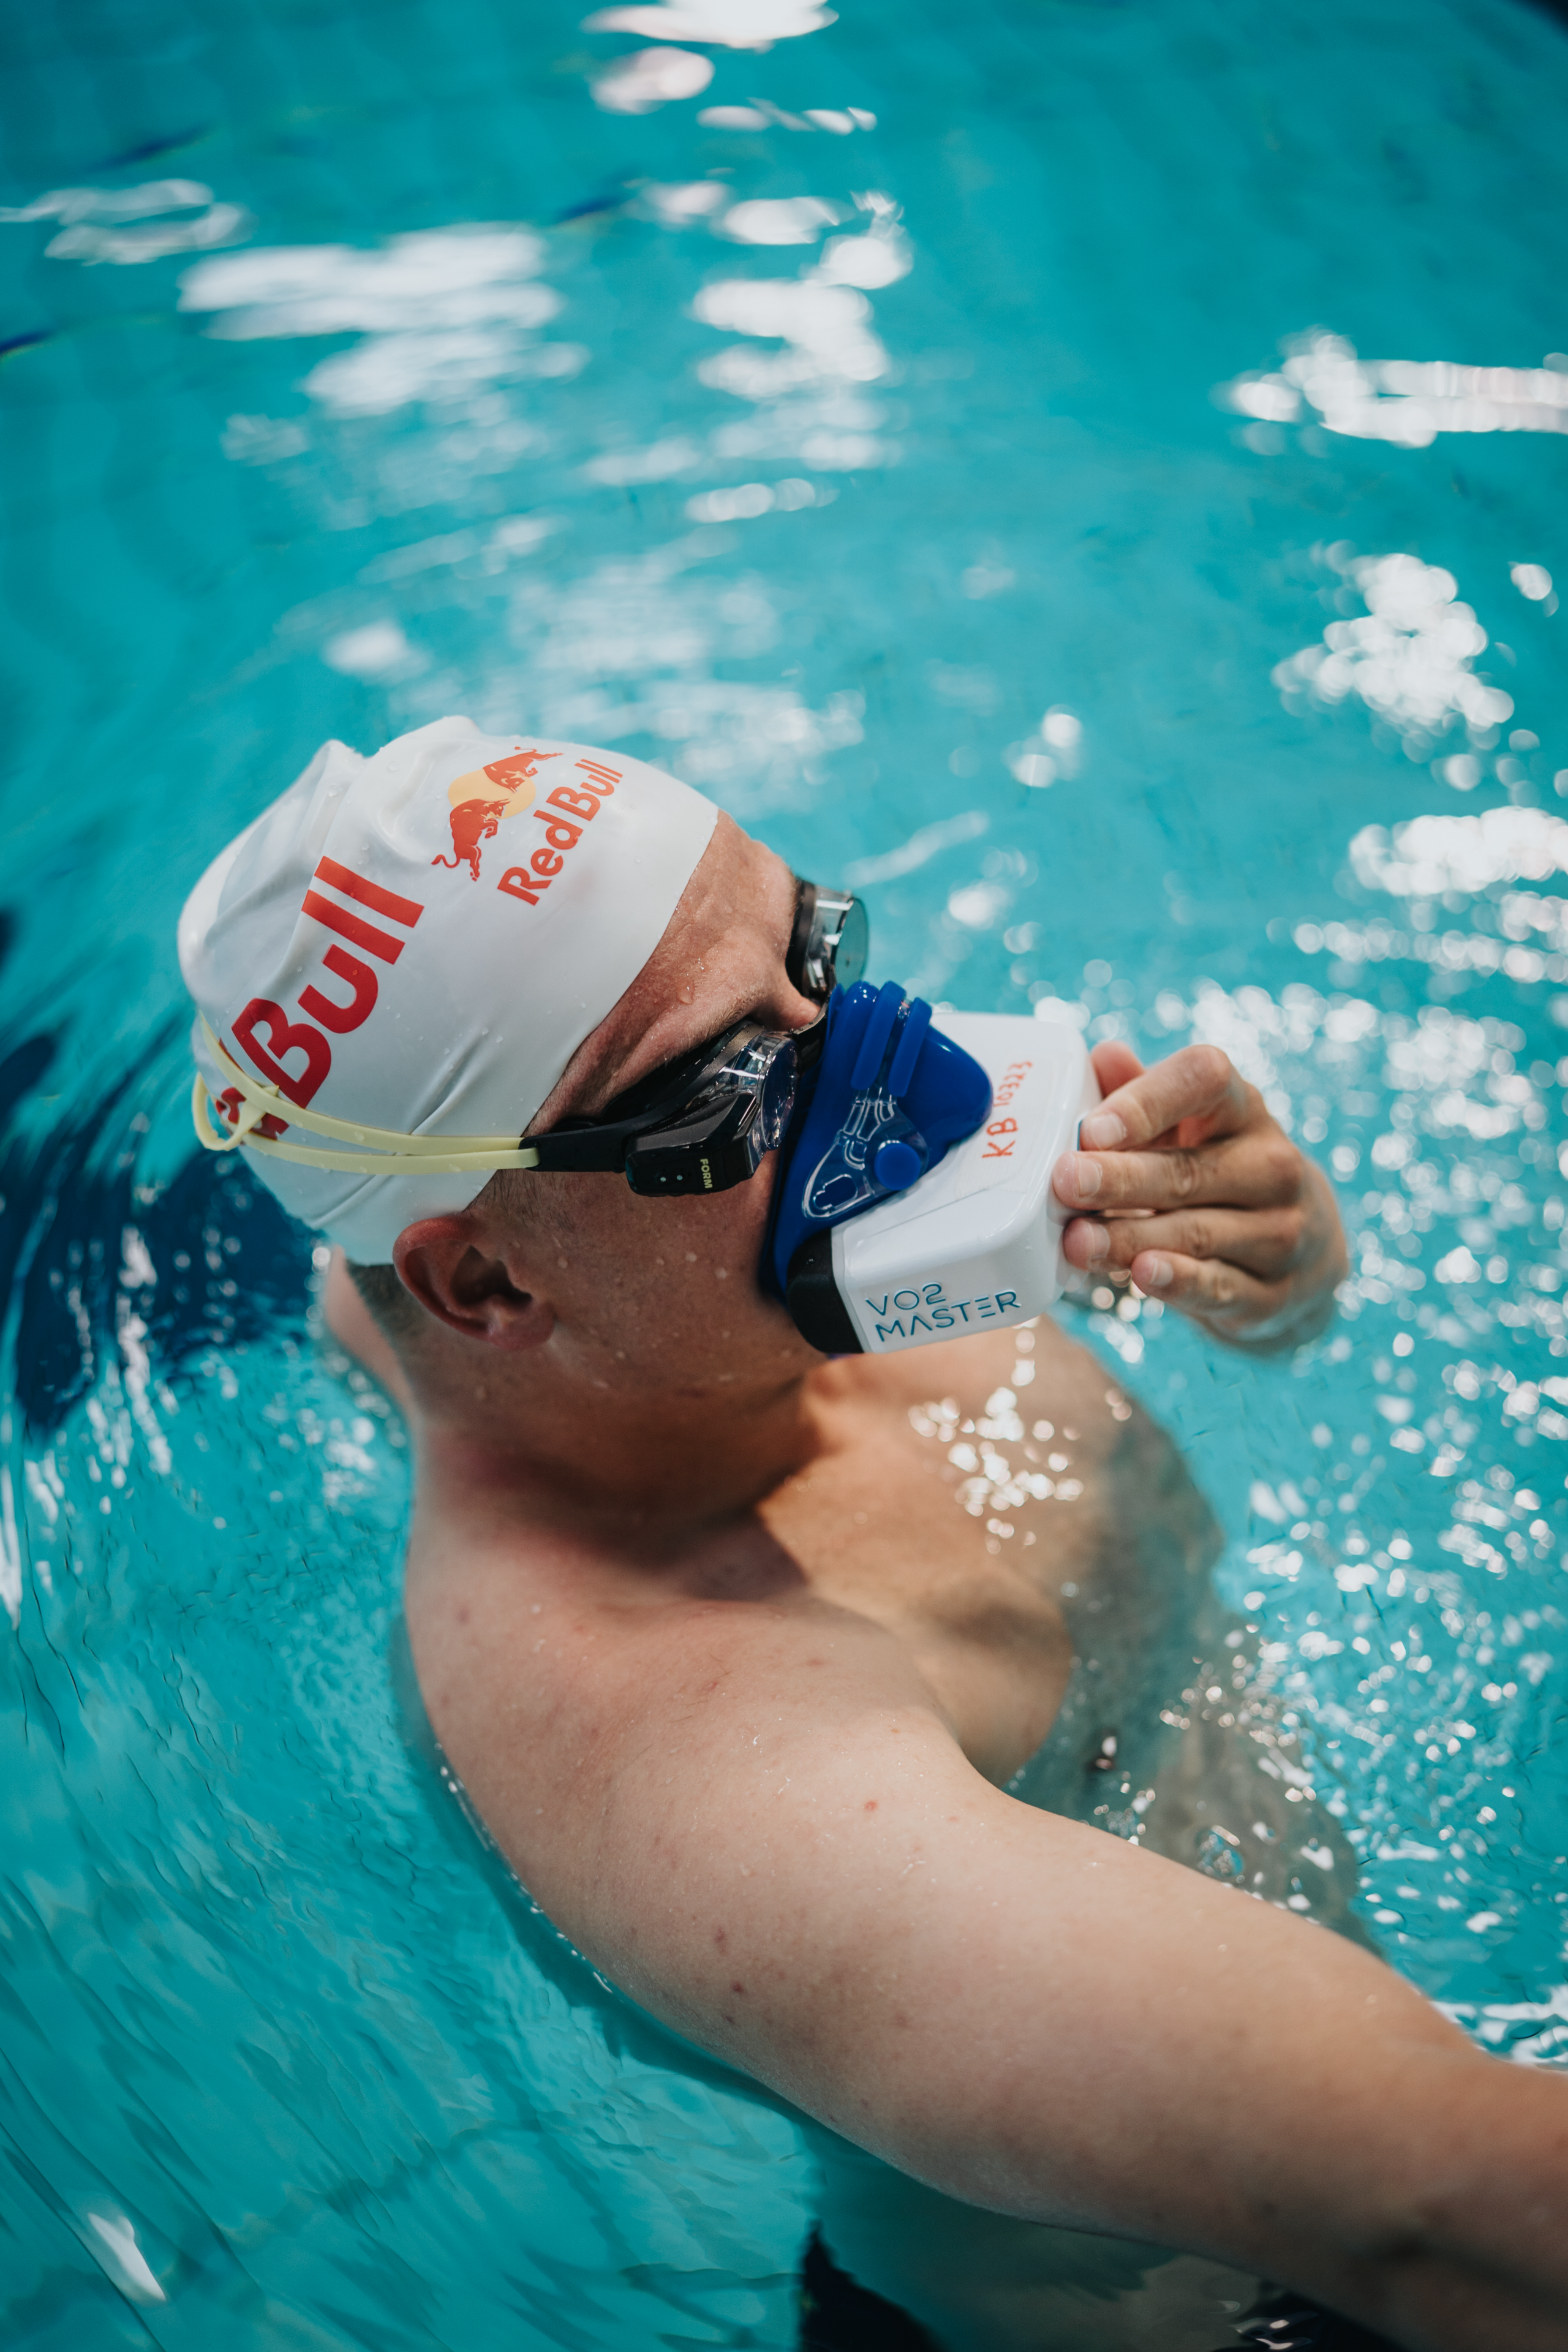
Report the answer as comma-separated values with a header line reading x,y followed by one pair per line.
x,y
800,938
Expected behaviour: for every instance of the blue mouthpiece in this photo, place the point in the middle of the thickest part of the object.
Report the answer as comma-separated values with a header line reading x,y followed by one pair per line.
x,y
896,1165
890,1095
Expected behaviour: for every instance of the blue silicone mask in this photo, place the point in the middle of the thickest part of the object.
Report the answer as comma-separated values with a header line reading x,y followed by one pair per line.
x,y
889,1097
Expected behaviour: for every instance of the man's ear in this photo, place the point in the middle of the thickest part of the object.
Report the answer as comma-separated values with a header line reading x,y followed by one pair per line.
x,y
460,1273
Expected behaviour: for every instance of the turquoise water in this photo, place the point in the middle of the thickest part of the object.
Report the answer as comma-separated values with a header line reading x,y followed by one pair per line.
x,y
993,501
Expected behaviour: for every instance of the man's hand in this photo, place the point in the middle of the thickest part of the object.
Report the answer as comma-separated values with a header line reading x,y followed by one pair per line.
x,y
1187,1185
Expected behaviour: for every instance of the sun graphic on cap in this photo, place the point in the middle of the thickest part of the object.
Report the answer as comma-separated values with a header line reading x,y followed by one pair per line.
x,y
481,799
508,785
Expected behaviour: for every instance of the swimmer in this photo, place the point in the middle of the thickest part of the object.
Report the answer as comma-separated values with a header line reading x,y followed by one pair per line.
x,y
801,1755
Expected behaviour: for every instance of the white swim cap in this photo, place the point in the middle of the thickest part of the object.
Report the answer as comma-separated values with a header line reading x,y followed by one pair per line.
x,y
412,947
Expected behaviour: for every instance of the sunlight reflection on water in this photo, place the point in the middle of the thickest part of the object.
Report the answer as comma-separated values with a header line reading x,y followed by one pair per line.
x,y
821,409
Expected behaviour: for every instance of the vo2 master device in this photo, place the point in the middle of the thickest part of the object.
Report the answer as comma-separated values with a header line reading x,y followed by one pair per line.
x,y
914,1200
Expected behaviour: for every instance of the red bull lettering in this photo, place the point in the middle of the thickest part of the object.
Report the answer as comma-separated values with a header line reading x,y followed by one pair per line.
x,y
263,1029
360,978
231,1102
563,814
284,1036
350,885
352,927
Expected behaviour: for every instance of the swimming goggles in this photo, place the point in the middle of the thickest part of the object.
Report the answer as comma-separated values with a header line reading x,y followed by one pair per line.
x,y
707,1120
698,1124
830,943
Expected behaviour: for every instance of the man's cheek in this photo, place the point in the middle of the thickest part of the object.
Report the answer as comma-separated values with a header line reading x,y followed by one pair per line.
x,y
730,1229
724,1229
757,1212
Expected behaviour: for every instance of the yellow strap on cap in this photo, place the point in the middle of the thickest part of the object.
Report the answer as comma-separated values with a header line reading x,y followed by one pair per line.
x,y
391,1154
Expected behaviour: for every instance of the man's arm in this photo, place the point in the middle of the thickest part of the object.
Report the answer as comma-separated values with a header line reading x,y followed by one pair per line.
x,y
758,1825
1187,1184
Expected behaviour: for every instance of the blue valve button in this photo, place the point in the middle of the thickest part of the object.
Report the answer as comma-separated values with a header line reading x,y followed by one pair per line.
x,y
896,1165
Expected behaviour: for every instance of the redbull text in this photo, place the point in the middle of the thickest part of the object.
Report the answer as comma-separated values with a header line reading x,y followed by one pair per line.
x,y
264,1028
563,814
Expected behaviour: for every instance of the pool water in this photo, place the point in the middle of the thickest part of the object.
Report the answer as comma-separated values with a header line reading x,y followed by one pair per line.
x,y
1091,474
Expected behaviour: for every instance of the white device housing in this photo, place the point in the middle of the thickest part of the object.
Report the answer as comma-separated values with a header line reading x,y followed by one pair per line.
x,y
976,1245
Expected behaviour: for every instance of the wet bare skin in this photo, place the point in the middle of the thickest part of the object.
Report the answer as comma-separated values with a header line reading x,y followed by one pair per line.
x,y
734,1681
868,1526
638,1710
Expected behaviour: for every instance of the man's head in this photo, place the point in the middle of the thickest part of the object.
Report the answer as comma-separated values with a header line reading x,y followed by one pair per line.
x,y
635,924
623,1289
342,952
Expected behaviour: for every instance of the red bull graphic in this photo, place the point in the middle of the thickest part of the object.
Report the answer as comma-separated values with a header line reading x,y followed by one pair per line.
x,y
482,798
563,814
264,1030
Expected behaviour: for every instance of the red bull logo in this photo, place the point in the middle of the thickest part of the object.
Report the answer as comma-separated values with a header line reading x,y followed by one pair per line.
x,y
563,814
263,1031
482,798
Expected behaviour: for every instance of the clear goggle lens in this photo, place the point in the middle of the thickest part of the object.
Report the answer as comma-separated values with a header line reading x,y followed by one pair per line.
x,y
765,1066
778,1099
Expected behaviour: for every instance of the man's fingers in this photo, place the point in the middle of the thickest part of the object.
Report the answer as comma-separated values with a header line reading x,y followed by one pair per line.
x,y
1207,1288
1183,1183
1204,1285
1248,1171
1262,1242
1115,1064
1200,1082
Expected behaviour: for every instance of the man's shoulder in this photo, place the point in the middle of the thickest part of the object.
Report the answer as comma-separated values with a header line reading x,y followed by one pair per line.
x,y
525,1652
559,1709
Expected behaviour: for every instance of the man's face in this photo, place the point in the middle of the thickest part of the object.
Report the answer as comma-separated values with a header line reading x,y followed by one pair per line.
x,y
669,1287
722,959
